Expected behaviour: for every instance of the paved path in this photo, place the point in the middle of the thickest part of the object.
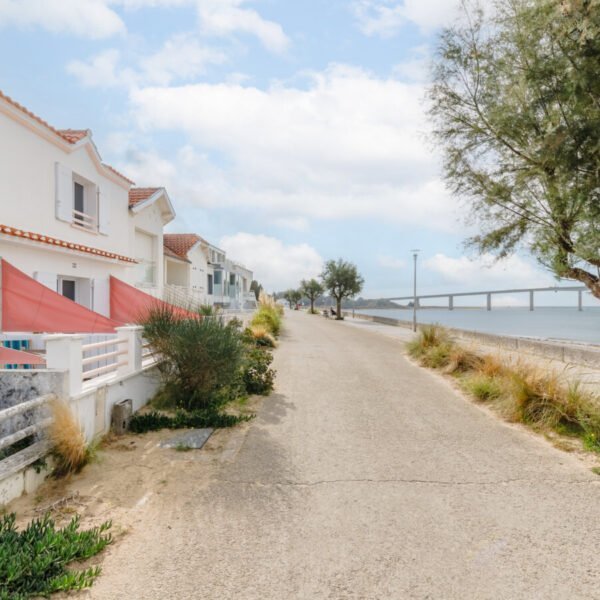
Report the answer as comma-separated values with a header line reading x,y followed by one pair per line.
x,y
367,477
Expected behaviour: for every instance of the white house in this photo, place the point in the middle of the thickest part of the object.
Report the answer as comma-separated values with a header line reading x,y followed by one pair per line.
x,y
68,219
199,272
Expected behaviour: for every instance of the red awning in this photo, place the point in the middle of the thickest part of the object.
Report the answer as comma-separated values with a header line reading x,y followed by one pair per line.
x,y
129,304
9,356
27,305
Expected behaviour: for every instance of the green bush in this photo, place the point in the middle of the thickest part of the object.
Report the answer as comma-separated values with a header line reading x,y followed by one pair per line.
x,y
33,562
200,358
268,317
153,421
257,375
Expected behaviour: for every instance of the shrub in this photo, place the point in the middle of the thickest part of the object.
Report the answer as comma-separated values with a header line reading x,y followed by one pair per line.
x,y
68,440
269,318
153,421
258,377
258,335
33,562
200,358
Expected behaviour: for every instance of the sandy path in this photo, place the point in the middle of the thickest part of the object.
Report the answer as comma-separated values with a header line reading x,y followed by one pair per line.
x,y
362,477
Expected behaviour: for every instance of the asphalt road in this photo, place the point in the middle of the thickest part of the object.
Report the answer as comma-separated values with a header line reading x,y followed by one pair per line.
x,y
366,477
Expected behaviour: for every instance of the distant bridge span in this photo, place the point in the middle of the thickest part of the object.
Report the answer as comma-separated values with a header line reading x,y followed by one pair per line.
x,y
489,293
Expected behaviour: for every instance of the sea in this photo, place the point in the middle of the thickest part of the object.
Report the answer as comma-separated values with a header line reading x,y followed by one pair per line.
x,y
550,323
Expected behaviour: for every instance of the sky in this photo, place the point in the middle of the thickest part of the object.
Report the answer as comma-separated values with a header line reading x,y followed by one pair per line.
x,y
286,132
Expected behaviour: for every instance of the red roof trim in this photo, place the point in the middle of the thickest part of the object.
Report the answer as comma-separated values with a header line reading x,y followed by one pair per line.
x,y
46,239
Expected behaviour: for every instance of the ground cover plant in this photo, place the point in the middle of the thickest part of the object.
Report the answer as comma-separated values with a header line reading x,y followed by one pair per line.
x,y
519,392
34,561
257,375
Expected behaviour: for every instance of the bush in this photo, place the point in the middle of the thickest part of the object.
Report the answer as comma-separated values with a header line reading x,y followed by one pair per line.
x,y
269,318
153,421
33,562
200,358
484,387
258,335
258,377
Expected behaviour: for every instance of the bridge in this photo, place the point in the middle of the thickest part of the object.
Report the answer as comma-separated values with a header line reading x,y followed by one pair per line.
x,y
489,293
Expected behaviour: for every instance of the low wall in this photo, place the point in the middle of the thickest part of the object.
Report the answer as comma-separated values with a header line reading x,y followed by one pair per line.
x,y
571,353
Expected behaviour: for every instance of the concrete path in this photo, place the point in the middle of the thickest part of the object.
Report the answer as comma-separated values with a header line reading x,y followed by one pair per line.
x,y
367,477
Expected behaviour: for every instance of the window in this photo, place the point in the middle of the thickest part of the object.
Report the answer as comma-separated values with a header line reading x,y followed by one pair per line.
x,y
218,277
210,285
145,255
85,204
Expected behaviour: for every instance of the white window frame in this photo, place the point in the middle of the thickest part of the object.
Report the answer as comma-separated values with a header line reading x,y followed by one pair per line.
x,y
88,219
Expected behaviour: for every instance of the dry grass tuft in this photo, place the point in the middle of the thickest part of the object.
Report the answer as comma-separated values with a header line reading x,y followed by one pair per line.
x,y
520,392
262,336
68,440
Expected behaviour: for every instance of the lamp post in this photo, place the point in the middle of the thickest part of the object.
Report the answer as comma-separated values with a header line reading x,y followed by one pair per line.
x,y
415,255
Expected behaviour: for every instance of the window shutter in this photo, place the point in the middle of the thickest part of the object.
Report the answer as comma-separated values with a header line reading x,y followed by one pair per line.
x,y
64,193
50,280
103,212
101,296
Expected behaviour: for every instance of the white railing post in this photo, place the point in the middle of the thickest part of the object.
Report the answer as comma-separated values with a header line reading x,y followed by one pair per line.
x,y
65,352
133,344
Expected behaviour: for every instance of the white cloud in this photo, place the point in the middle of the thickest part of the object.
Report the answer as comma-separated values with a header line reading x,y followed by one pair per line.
x,y
180,58
389,262
84,18
386,17
226,17
276,266
346,145
485,272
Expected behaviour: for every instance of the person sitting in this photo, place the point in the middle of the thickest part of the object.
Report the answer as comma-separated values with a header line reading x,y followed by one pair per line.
x,y
333,313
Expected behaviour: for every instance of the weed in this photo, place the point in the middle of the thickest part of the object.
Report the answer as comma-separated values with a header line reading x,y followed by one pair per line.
x,y
596,470
68,440
33,562
483,387
181,447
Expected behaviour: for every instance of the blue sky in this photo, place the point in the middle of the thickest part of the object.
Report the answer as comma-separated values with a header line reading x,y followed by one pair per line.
x,y
287,132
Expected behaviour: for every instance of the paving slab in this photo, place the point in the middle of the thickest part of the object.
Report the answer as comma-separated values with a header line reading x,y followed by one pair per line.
x,y
195,439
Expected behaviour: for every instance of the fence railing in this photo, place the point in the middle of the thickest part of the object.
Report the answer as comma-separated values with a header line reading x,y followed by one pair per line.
x,y
86,362
11,463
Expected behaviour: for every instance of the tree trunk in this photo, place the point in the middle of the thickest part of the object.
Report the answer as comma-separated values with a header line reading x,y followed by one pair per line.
x,y
312,306
339,317
592,282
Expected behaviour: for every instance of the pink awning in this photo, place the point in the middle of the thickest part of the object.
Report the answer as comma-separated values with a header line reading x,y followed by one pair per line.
x,y
129,304
9,356
27,305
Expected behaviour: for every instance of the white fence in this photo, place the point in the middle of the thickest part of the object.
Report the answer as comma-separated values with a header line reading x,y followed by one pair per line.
x,y
94,376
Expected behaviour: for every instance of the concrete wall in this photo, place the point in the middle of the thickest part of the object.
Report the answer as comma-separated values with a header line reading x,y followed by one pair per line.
x,y
570,353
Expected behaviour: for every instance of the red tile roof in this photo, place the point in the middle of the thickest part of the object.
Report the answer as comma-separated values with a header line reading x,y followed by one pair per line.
x,y
168,252
181,243
46,239
72,136
137,195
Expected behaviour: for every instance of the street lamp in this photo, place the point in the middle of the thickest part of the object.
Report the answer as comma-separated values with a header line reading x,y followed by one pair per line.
x,y
415,255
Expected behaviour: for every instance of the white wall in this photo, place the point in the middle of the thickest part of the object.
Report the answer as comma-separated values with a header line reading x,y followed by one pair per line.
x,y
198,270
28,188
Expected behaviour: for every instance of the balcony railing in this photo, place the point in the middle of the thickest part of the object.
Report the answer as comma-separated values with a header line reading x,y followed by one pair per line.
x,y
84,221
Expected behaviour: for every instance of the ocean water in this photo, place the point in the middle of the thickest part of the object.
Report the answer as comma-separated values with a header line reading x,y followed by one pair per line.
x,y
557,323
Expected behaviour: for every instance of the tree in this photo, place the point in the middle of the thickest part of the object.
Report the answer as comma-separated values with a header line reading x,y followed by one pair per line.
x,y
342,280
292,297
312,289
256,288
516,106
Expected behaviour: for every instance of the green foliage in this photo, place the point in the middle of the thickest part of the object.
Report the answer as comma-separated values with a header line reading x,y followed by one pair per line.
x,y
484,387
312,289
257,375
257,288
268,317
208,310
516,105
199,419
292,297
342,280
201,358
33,562
258,335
